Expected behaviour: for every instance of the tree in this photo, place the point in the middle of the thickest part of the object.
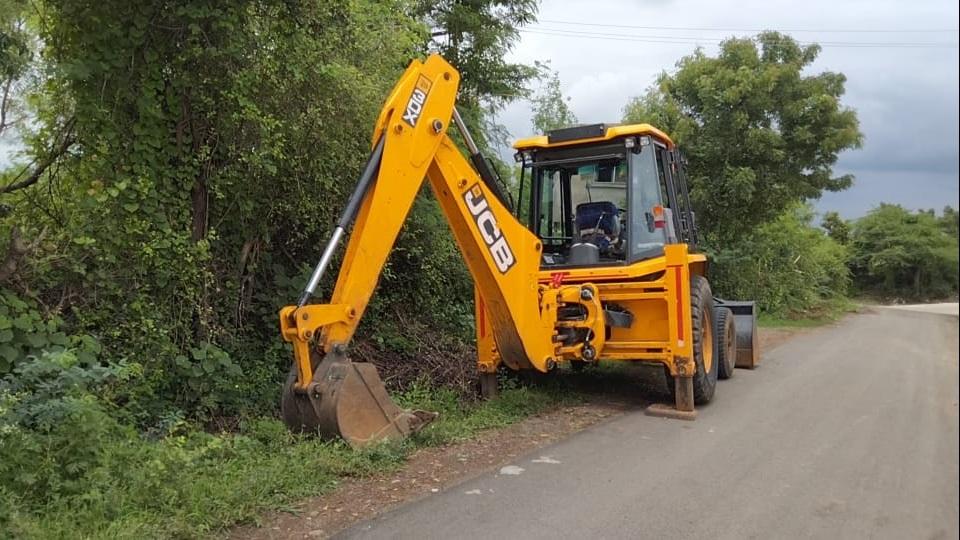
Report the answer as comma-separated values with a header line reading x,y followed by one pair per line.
x,y
950,221
759,132
550,109
475,36
903,254
15,55
836,227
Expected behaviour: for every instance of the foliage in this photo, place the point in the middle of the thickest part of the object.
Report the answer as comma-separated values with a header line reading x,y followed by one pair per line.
x,y
110,483
26,333
51,424
550,109
950,221
903,254
759,132
14,46
475,36
15,56
425,272
42,391
836,227
788,266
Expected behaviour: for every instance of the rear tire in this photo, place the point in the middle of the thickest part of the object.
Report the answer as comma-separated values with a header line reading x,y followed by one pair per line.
x,y
704,357
725,341
701,316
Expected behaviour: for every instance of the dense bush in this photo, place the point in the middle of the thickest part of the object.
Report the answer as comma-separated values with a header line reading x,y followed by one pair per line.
x,y
26,333
896,253
788,266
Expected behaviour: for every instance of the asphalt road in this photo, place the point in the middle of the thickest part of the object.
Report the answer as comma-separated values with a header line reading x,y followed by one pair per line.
x,y
849,431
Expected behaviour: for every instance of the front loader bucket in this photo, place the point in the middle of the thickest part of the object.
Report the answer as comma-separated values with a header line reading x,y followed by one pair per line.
x,y
745,321
348,400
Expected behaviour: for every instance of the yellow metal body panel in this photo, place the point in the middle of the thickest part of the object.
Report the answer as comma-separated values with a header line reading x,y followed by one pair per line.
x,y
508,282
487,357
657,293
542,141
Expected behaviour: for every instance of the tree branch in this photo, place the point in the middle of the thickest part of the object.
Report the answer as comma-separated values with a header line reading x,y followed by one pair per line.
x,y
42,167
5,104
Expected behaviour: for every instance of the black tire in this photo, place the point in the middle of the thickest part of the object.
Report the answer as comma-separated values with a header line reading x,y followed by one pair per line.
x,y
725,341
701,315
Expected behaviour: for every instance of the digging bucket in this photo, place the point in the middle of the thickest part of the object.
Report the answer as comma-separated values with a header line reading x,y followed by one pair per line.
x,y
745,321
348,400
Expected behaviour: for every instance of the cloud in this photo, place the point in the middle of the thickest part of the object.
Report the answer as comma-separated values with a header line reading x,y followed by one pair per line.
x,y
906,97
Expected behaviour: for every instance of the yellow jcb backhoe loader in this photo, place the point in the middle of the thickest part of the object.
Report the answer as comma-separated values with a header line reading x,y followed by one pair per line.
x,y
605,266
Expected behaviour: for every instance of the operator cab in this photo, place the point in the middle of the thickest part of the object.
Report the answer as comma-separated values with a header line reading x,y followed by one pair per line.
x,y
604,195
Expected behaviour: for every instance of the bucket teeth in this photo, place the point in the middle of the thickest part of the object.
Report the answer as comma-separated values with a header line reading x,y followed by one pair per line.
x,y
348,400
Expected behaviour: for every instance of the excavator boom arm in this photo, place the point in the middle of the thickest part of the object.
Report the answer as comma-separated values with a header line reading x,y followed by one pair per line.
x,y
411,143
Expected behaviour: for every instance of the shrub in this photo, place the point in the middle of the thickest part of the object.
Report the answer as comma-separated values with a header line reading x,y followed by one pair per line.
x,y
25,332
787,266
903,254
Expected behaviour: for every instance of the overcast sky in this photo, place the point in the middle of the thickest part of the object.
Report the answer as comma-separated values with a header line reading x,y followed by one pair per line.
x,y
906,96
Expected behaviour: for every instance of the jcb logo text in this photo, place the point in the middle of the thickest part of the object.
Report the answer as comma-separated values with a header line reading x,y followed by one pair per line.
x,y
489,230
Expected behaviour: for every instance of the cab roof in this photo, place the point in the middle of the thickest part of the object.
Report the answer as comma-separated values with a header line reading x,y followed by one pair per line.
x,y
578,135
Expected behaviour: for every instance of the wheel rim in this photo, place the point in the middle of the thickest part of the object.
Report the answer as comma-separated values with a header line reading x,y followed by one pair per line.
x,y
706,344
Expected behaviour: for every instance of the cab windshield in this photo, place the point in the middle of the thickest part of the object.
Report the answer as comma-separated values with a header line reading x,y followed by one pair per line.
x,y
597,207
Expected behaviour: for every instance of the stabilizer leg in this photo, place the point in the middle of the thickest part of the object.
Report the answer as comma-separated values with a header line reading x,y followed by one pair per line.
x,y
489,389
683,389
683,409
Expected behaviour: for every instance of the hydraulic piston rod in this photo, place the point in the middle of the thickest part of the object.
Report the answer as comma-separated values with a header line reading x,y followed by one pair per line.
x,y
350,212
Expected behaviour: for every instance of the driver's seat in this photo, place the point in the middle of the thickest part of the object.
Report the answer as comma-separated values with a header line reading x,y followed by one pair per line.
x,y
598,223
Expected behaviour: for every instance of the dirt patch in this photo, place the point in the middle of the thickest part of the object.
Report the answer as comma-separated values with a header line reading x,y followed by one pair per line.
x,y
607,393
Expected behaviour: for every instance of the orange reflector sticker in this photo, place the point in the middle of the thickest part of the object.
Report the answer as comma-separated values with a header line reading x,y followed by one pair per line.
x,y
658,220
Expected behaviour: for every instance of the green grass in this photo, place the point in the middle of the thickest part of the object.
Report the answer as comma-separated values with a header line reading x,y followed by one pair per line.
x,y
829,312
194,484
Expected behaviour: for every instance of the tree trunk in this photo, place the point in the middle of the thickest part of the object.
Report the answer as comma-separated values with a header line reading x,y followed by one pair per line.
x,y
200,209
